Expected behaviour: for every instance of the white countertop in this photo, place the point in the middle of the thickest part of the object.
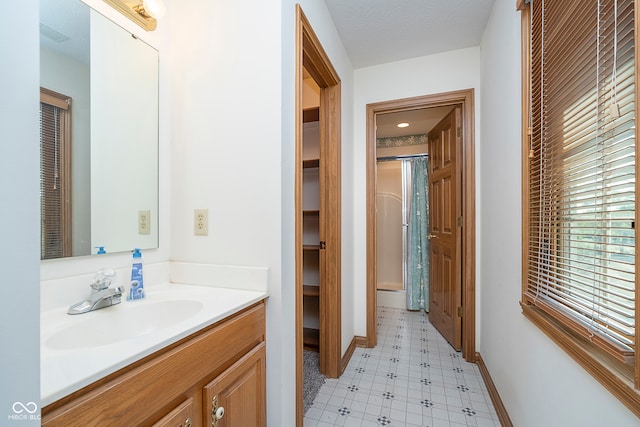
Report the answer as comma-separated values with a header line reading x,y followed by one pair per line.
x,y
65,370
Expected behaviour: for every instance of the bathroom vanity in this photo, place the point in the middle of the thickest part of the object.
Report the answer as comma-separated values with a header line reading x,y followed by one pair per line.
x,y
205,370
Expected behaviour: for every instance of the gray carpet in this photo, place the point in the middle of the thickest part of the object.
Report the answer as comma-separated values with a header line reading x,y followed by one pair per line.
x,y
313,379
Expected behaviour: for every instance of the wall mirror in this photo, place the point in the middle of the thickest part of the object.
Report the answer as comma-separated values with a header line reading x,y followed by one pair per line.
x,y
99,134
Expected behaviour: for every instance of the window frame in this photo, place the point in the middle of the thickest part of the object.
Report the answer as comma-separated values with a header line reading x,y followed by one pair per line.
x,y
622,380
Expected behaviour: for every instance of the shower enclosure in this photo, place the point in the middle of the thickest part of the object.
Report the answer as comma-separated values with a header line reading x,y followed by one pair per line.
x,y
402,213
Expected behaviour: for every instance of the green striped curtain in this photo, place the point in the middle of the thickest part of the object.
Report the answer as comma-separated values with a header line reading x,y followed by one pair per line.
x,y
418,242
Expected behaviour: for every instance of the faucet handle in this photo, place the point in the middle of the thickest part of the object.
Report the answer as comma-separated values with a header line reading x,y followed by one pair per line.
x,y
103,278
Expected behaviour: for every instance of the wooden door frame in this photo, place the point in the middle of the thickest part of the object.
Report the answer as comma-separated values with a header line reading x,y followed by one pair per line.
x,y
311,56
464,98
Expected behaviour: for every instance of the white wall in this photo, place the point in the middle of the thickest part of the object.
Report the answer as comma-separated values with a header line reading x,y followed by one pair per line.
x,y
233,149
426,75
539,384
226,156
67,76
19,210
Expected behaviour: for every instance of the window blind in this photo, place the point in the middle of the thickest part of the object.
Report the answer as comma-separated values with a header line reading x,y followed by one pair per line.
x,y
581,170
54,177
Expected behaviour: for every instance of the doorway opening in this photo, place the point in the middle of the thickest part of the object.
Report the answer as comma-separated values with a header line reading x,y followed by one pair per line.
x,y
402,206
318,226
452,254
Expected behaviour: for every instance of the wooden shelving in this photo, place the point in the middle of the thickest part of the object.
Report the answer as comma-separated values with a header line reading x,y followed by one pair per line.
x,y
311,231
311,115
311,163
311,339
311,290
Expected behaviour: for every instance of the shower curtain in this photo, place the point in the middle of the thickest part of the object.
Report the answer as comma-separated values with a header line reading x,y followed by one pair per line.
x,y
418,242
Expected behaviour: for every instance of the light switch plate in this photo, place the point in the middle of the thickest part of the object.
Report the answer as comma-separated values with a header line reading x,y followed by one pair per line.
x,y
201,222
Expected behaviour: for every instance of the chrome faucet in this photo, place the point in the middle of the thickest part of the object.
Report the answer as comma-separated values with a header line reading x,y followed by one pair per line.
x,y
101,294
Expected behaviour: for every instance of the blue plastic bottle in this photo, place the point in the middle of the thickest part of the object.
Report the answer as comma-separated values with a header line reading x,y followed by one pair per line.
x,y
137,284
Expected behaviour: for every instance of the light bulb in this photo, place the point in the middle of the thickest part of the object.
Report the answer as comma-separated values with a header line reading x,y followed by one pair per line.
x,y
154,8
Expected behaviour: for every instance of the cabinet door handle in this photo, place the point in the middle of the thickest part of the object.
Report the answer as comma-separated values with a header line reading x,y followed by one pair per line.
x,y
220,412
187,422
217,412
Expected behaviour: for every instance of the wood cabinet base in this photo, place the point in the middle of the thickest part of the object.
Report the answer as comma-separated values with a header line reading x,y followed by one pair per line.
x,y
171,387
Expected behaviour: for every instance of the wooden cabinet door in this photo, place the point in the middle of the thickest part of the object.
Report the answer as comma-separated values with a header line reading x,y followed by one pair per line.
x,y
237,397
181,416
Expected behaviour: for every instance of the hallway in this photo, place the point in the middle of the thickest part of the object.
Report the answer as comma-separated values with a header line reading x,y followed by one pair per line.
x,y
412,378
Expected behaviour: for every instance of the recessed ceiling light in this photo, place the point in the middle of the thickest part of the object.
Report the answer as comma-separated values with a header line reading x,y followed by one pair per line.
x,y
402,125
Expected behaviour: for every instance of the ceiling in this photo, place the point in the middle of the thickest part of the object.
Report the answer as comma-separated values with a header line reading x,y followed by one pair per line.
x,y
372,31
420,121
64,27
379,31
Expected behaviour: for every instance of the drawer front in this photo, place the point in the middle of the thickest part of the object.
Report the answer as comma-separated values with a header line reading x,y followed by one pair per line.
x,y
136,396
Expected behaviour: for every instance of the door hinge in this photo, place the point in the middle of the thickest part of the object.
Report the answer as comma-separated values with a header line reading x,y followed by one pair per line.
x,y
458,131
460,221
323,244
460,311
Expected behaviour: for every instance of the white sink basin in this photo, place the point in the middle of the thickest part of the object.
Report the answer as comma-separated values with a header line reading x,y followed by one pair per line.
x,y
120,322
78,350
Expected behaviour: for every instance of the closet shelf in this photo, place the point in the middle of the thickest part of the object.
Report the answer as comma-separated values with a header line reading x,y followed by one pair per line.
x,y
311,339
310,163
310,247
311,290
311,213
311,114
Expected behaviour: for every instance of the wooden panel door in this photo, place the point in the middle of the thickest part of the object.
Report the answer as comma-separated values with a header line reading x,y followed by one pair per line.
x,y
236,398
330,233
445,287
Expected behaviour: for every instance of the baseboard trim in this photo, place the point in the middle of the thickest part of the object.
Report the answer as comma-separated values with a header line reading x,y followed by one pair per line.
x,y
347,355
357,341
361,341
503,416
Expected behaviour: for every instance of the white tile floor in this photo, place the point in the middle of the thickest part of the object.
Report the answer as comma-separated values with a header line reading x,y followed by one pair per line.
x,y
412,378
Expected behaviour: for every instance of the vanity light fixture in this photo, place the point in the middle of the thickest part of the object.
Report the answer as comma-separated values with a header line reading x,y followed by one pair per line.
x,y
143,12
154,8
402,125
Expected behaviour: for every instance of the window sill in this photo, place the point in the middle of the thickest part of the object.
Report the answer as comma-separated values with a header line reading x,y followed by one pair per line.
x,y
612,374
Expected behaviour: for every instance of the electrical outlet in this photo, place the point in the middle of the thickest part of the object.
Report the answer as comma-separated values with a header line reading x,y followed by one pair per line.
x,y
144,222
201,222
